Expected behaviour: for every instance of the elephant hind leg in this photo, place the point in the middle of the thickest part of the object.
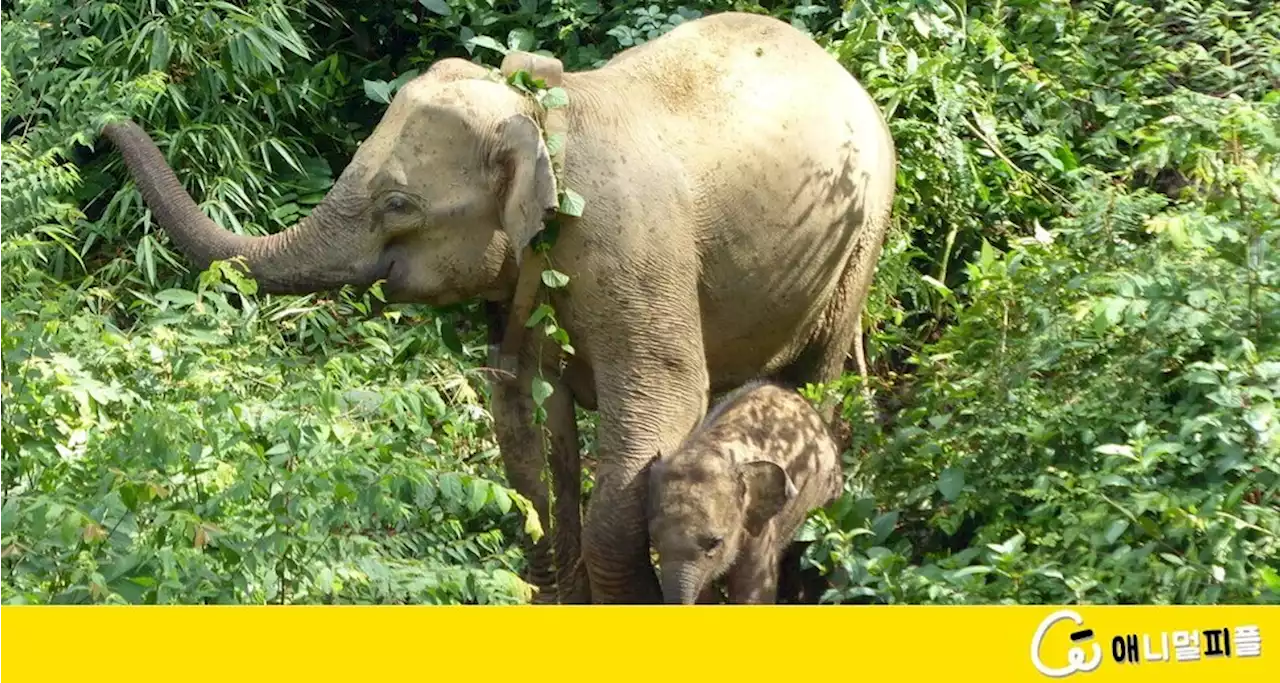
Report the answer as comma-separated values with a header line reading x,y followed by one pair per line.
x,y
838,333
822,360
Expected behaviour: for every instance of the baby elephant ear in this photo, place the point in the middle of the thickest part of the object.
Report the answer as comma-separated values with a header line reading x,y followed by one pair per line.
x,y
768,488
653,473
653,469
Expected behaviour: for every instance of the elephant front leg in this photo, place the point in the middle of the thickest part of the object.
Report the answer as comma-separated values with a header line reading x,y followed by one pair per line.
x,y
792,576
520,442
521,448
710,594
559,576
644,409
566,471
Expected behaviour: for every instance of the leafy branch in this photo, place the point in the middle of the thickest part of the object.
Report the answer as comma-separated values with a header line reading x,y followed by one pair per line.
x,y
569,203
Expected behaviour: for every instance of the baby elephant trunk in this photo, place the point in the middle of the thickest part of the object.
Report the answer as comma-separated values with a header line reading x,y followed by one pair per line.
x,y
680,584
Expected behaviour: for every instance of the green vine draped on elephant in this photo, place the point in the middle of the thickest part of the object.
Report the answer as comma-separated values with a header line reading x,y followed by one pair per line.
x,y
738,185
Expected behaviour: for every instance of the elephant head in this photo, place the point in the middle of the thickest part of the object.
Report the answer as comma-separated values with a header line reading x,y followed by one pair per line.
x,y
702,506
454,179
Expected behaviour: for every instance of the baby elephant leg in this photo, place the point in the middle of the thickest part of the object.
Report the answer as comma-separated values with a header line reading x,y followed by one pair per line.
x,y
753,578
710,594
790,588
797,584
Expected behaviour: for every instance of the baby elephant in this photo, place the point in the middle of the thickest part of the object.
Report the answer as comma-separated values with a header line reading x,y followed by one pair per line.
x,y
729,500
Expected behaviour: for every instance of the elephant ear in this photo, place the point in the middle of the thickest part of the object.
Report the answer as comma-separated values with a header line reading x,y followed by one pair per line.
x,y
768,488
535,196
529,190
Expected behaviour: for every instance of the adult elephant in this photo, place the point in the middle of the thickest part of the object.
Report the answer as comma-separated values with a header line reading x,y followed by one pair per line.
x,y
738,185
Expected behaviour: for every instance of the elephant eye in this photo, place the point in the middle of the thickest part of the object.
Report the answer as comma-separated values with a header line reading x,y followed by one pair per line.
x,y
397,203
710,543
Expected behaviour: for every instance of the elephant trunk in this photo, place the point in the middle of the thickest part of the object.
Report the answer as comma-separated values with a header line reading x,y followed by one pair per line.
x,y
681,583
317,253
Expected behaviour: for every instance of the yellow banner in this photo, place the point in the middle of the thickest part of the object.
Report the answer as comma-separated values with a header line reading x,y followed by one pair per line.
x,y
598,643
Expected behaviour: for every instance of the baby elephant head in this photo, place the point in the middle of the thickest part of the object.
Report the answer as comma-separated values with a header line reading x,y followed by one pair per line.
x,y
701,507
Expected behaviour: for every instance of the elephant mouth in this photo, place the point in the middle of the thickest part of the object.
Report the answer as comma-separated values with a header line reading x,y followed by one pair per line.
x,y
401,283
398,286
393,285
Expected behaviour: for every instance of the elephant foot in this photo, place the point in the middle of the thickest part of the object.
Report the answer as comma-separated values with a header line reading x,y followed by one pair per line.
x,y
571,579
578,593
641,590
544,587
637,586
646,591
544,598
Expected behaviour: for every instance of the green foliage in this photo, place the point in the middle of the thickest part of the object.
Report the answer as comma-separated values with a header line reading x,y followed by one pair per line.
x,y
1097,422
200,456
168,438
1073,331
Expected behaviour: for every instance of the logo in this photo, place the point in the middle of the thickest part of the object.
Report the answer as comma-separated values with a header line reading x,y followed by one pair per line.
x,y
1075,656
1218,643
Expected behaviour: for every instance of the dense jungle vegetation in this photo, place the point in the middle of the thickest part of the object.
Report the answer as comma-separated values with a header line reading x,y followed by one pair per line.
x,y
1074,332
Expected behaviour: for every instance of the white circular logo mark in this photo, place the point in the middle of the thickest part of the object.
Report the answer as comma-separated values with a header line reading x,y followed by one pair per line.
x,y
1075,656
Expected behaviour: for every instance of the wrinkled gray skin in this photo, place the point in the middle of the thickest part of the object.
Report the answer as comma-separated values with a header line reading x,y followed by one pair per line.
x,y
738,183
728,502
